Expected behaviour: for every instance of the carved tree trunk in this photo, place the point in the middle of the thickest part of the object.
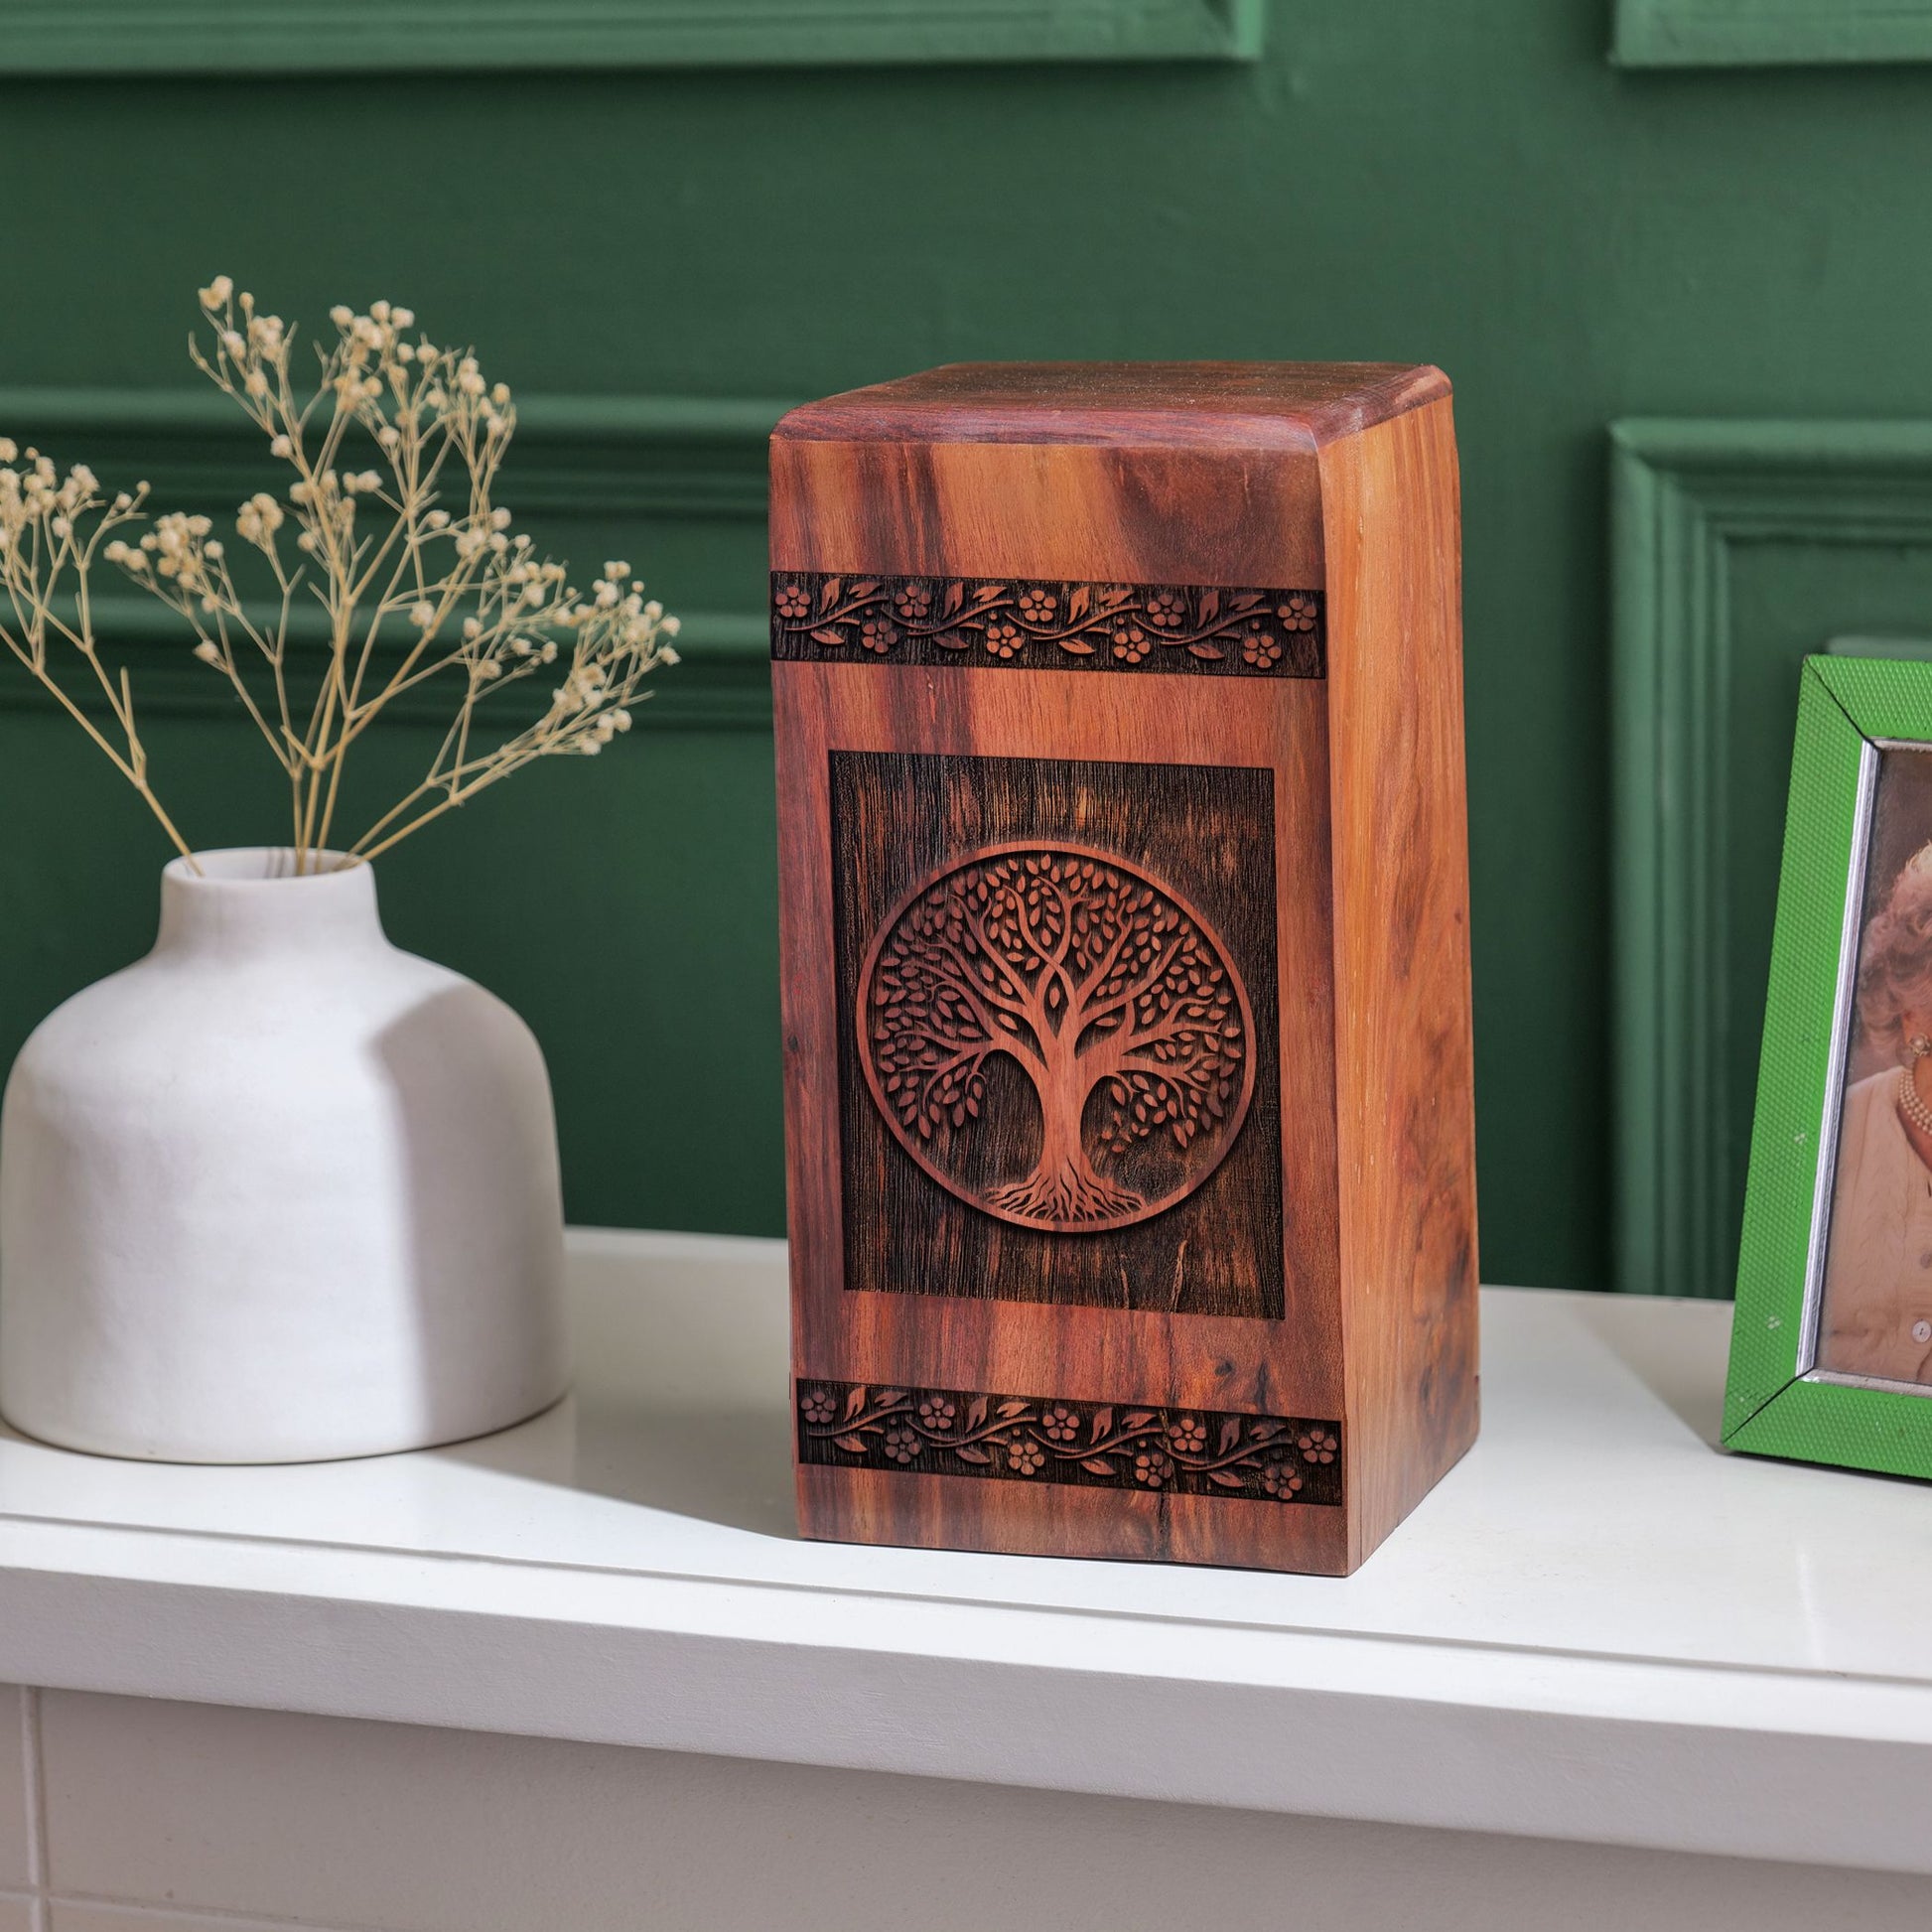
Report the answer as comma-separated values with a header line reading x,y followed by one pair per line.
x,y
1065,1185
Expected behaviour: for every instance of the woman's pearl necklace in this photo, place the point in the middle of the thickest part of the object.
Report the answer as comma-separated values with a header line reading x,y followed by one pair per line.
x,y
1910,1105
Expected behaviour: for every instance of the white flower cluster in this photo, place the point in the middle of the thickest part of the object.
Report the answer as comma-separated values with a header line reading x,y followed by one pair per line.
x,y
620,635
37,501
179,550
257,520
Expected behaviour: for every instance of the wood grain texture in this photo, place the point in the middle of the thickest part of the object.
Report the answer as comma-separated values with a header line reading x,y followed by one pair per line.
x,y
1404,1051
1148,1357
1202,504
1142,405
930,1224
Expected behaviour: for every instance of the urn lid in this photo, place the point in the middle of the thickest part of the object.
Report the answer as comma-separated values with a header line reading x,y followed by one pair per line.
x,y
1267,405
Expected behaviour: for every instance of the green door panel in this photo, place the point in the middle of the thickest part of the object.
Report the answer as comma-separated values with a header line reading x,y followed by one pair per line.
x,y
1739,547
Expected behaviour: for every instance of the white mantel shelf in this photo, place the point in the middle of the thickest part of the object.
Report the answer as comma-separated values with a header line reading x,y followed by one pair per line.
x,y
1596,1628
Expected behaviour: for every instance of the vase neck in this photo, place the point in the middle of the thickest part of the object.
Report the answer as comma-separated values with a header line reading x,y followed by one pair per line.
x,y
250,899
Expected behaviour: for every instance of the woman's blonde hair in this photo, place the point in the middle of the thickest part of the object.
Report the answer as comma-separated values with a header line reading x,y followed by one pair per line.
x,y
1896,958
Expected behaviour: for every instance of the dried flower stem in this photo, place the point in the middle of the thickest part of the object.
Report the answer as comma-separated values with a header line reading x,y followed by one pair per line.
x,y
410,590
42,516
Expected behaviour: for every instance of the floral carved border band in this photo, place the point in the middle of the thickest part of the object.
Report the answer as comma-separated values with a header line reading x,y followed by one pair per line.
x,y
1057,626
1095,1445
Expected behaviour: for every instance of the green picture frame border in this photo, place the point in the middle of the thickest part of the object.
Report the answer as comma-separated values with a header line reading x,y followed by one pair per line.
x,y
1773,1406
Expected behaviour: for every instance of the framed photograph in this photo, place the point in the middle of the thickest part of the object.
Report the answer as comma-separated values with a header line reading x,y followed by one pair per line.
x,y
1830,1355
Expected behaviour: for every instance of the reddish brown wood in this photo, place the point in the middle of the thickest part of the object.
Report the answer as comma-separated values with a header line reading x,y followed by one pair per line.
x,y
1114,996
1404,1081
1264,405
1290,1360
1198,1225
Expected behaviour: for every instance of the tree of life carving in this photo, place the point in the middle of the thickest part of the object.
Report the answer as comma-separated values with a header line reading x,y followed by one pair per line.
x,y
1113,997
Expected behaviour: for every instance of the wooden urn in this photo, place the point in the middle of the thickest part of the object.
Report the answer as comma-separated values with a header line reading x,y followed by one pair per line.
x,y
1126,957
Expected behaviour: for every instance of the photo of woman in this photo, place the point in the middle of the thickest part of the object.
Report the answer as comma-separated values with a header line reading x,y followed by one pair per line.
x,y
1876,1317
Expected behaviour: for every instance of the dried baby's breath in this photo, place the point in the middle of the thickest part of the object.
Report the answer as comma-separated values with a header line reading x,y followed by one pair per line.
x,y
389,425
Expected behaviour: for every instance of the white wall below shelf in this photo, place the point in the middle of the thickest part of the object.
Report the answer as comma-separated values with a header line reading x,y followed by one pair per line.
x,y
1597,1628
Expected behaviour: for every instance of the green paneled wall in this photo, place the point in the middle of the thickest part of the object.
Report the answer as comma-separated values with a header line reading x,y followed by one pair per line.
x,y
1473,185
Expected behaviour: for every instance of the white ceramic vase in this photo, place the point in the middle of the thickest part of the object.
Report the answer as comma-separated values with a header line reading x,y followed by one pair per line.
x,y
278,1191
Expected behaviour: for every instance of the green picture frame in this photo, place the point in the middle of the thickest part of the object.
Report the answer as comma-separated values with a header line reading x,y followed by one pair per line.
x,y
1776,1400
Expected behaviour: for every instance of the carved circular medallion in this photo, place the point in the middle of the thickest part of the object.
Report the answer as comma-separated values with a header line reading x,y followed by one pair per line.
x,y
1055,1038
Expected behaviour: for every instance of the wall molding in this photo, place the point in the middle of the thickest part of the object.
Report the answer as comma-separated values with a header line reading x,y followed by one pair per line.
x,y
1769,33
611,456
394,36
1685,495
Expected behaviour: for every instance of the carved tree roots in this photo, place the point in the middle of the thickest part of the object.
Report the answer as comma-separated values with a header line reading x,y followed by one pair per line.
x,y
1069,1190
